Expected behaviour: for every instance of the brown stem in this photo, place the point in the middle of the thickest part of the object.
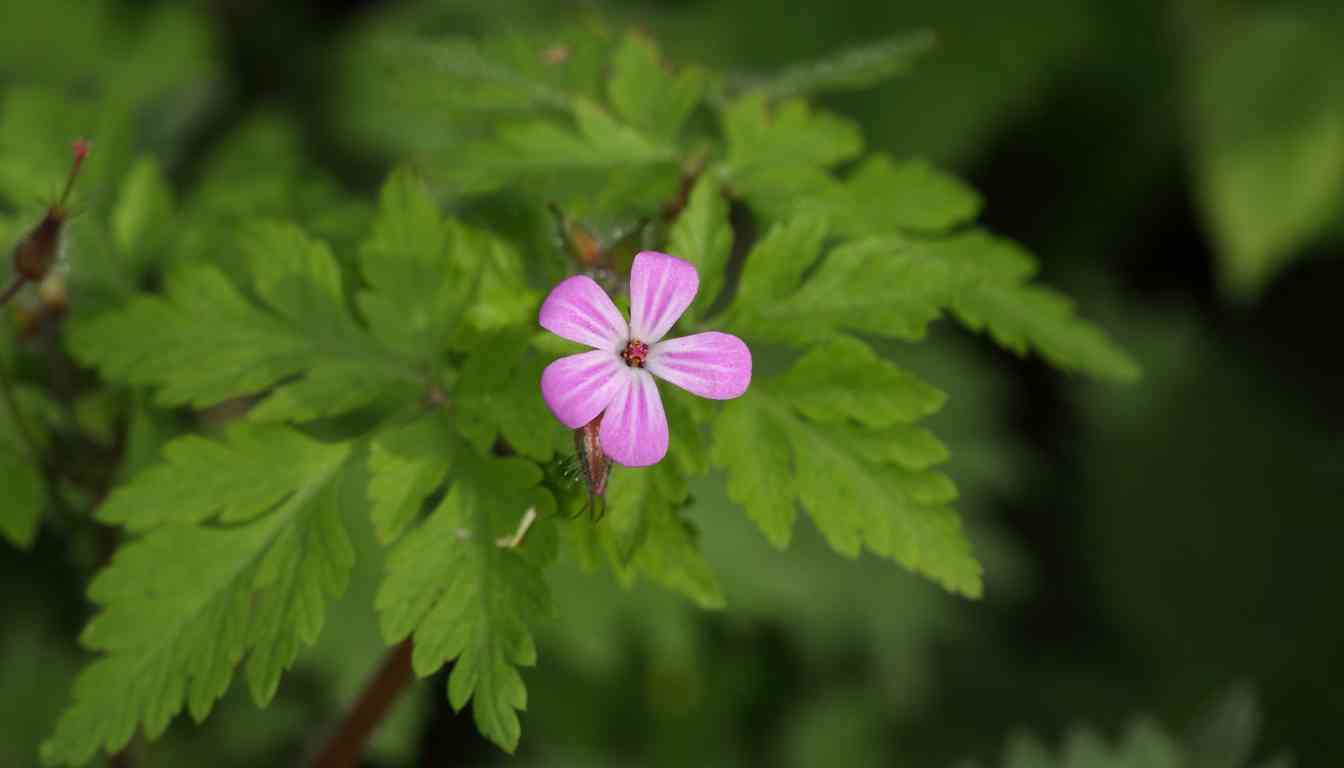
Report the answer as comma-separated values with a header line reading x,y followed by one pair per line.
x,y
11,289
343,748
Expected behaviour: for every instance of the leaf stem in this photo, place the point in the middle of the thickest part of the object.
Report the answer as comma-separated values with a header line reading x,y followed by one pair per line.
x,y
524,525
11,289
344,747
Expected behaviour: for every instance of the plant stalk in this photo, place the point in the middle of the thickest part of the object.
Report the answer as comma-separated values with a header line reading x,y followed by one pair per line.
x,y
344,746
11,289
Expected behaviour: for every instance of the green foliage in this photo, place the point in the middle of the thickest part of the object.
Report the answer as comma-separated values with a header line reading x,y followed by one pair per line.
x,y
463,596
406,464
645,95
701,235
1224,737
856,68
835,434
496,395
182,606
982,279
205,342
886,197
20,474
382,360
1270,149
26,419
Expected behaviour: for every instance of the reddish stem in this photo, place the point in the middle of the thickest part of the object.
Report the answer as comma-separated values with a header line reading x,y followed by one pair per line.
x,y
11,289
80,150
344,747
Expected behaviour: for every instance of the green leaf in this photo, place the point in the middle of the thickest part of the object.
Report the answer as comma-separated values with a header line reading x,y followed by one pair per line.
x,y
503,297
182,606
856,68
1270,141
24,495
790,133
822,385
995,295
1023,316
643,531
865,487
21,507
231,481
884,197
881,286
647,536
778,154
550,149
421,280
755,448
775,265
646,95
703,236
203,342
895,287
479,84
143,216
465,597
406,465
497,395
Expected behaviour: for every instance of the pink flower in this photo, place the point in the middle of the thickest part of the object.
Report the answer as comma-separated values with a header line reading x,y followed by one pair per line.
x,y
615,380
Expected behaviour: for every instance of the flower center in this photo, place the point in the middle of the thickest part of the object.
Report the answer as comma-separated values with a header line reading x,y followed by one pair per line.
x,y
634,353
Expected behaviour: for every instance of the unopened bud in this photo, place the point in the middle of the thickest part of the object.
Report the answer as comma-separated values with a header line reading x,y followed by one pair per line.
x,y
594,462
37,252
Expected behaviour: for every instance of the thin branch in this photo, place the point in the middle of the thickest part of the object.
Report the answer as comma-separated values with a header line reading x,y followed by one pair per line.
x,y
344,747
11,289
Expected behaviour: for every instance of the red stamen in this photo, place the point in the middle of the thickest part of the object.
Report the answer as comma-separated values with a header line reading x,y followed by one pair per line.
x,y
635,352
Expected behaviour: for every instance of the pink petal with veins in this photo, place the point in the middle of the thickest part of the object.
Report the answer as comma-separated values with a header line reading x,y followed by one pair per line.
x,y
661,288
579,387
579,310
634,429
712,364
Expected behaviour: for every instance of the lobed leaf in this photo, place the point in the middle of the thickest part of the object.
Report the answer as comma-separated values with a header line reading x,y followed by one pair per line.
x,y
703,236
204,342
797,440
465,598
183,605
406,464
895,287
419,276
886,197
496,396
646,95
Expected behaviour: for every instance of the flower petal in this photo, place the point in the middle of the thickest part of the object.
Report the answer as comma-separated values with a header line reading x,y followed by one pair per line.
x,y
579,310
661,288
578,387
634,429
714,365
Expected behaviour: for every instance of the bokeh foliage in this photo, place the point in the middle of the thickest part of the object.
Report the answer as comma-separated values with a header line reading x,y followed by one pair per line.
x,y
1137,542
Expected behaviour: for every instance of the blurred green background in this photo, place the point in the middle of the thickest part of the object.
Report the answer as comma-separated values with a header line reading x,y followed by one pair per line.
x,y
1151,550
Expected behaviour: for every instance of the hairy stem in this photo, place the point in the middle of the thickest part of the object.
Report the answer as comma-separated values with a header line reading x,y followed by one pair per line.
x,y
344,747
